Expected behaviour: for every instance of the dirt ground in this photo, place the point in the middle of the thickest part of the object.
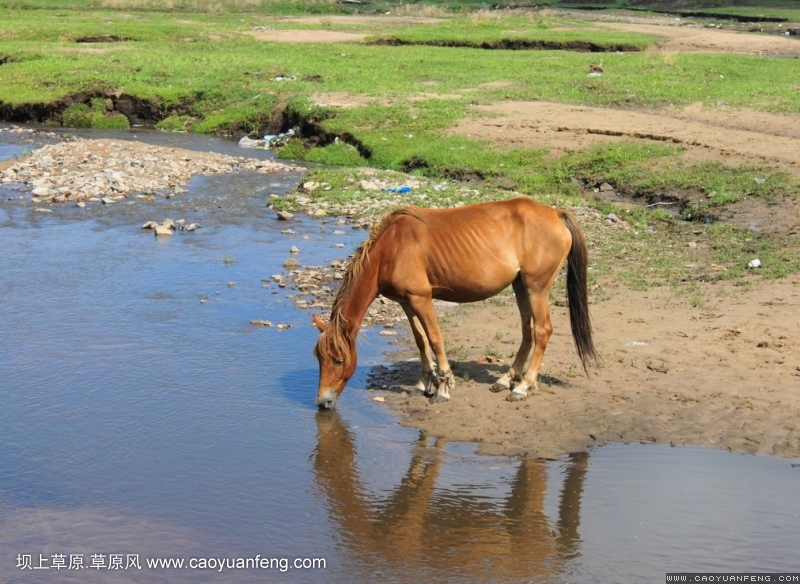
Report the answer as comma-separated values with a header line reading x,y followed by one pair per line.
x,y
725,376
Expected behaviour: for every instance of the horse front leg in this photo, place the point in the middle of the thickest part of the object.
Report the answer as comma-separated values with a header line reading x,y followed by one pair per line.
x,y
423,309
428,380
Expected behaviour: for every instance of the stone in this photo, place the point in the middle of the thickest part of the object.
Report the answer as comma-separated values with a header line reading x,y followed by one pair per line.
x,y
284,216
291,264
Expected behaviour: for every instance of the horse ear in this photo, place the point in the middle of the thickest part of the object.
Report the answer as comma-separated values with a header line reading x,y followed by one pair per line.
x,y
320,325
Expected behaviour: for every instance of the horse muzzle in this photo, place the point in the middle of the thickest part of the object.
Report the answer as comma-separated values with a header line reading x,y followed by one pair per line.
x,y
326,401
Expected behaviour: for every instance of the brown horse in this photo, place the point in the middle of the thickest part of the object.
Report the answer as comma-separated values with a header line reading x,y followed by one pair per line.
x,y
462,254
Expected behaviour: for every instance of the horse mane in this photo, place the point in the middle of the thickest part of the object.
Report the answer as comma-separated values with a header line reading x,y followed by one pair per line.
x,y
333,341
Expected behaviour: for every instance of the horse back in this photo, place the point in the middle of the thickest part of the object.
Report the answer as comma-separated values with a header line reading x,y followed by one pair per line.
x,y
472,252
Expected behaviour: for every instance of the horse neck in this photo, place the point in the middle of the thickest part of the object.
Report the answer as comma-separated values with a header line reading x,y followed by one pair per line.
x,y
353,303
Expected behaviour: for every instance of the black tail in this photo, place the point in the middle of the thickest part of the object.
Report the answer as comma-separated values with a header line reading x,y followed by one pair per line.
x,y
578,295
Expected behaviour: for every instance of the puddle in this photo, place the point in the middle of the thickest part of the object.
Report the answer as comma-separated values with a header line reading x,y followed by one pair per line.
x,y
144,417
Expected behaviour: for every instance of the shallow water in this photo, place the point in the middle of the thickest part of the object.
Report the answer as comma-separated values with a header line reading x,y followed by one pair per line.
x,y
143,416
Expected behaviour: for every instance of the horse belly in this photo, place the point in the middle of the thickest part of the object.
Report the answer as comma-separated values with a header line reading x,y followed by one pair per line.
x,y
472,285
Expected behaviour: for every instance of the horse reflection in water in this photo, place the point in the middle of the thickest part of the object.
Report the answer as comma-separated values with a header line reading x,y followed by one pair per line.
x,y
420,532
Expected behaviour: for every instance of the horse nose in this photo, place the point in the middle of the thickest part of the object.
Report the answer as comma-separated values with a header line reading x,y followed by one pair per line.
x,y
326,403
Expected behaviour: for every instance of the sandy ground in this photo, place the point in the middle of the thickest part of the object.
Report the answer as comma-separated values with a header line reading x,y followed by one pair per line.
x,y
725,376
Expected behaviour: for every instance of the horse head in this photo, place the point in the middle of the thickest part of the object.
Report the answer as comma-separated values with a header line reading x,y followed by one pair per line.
x,y
336,354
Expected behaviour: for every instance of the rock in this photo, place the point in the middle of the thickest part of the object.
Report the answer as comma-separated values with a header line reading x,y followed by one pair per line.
x,y
107,200
606,188
284,216
320,213
161,229
260,322
294,249
310,186
291,264
370,185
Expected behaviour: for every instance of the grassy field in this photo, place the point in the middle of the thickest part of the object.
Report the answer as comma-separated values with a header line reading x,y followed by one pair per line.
x,y
200,68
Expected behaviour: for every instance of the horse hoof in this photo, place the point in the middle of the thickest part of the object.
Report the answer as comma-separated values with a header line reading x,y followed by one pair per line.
x,y
437,399
497,388
516,396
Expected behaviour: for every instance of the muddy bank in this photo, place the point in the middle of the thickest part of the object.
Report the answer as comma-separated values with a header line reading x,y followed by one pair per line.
x,y
516,45
724,376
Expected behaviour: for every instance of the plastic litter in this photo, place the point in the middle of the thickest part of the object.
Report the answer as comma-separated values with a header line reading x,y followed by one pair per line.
x,y
268,141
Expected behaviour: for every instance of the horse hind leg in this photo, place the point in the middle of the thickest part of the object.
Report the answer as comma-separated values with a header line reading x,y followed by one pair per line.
x,y
542,330
514,375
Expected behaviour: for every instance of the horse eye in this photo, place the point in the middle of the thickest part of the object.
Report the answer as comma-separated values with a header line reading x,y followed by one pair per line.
x,y
338,361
